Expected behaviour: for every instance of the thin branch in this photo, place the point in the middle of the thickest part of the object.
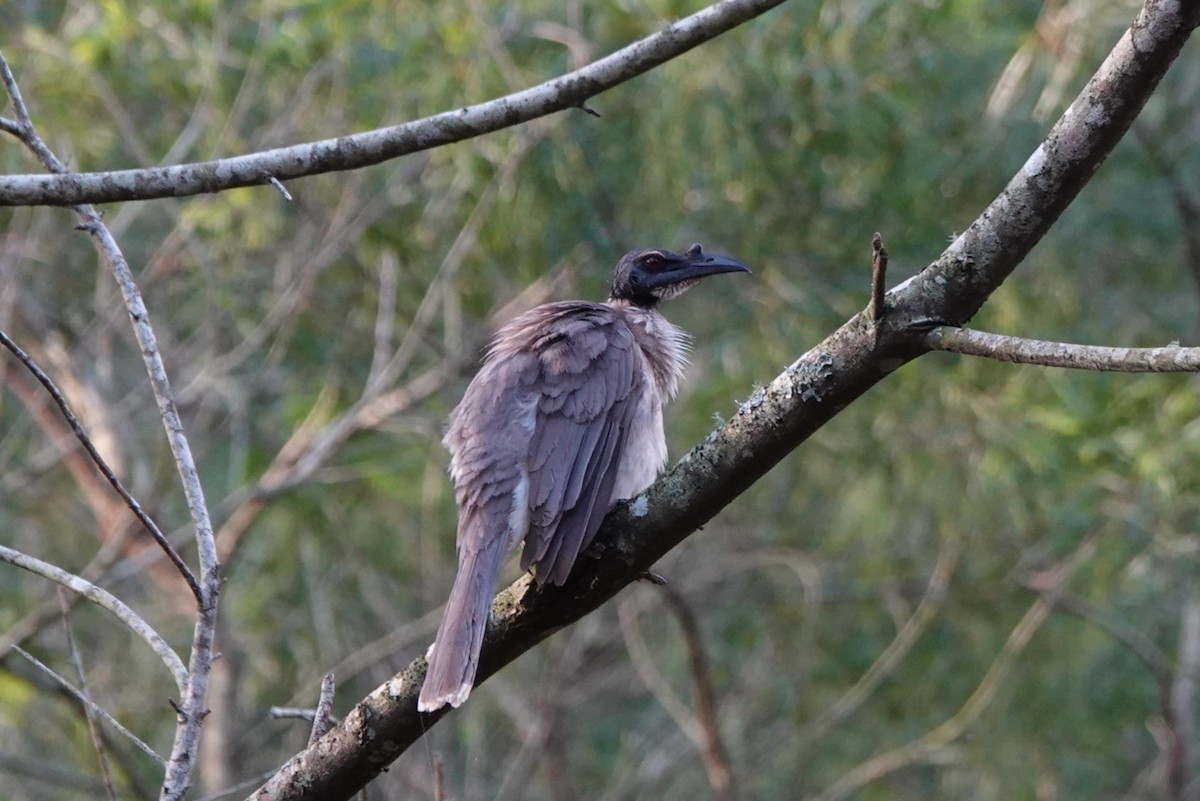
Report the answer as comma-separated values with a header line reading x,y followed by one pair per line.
x,y
86,694
651,676
780,416
712,747
324,711
389,269
89,704
105,600
699,726
879,264
1170,359
48,611
22,127
307,714
373,147
191,711
275,182
85,440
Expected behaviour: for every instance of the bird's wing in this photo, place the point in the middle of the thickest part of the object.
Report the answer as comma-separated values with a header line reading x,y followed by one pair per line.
x,y
590,378
537,439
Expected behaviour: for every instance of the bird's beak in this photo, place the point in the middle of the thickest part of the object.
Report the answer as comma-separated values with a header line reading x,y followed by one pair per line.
x,y
697,265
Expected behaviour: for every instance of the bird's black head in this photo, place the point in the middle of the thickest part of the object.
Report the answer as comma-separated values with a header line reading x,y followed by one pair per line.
x,y
646,276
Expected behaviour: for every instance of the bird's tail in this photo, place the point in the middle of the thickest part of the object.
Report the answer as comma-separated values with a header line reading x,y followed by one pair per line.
x,y
454,655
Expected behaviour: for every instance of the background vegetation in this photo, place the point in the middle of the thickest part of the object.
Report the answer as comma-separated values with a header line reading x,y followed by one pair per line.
x,y
905,541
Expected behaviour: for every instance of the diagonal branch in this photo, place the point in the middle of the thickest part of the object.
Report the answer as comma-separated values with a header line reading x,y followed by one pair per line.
x,y
778,418
373,147
91,706
85,440
85,695
105,600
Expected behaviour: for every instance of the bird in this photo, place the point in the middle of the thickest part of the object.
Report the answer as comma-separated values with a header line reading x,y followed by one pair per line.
x,y
563,420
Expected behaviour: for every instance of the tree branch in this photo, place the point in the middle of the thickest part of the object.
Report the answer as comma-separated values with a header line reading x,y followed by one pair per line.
x,y
85,696
879,263
323,714
105,600
1171,359
712,748
373,147
191,709
85,440
776,419
88,704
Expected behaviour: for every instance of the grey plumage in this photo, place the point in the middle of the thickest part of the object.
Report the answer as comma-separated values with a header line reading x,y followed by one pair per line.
x,y
564,419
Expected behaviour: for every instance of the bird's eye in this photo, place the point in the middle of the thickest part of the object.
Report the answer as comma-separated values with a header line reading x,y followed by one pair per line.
x,y
652,260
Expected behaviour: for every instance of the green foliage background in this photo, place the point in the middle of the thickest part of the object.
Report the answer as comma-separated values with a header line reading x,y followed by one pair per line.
x,y
786,142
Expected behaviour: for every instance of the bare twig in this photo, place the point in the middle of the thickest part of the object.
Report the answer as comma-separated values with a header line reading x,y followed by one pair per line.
x,y
639,655
89,704
879,263
292,713
385,313
324,710
36,620
105,600
191,710
307,714
86,694
712,747
1170,359
699,726
373,147
85,440
275,182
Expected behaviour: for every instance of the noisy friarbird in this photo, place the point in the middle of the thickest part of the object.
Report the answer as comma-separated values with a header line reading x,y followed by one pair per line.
x,y
563,420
